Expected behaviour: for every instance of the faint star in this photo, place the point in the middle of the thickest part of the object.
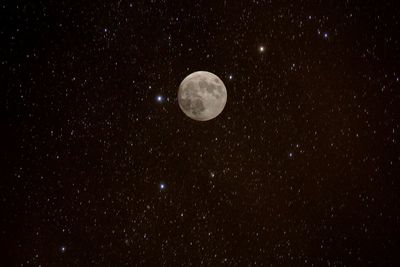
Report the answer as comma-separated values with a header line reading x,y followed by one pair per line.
x,y
212,174
162,186
261,48
326,35
63,248
290,154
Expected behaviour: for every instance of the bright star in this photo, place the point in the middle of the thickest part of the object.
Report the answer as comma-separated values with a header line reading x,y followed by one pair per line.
x,y
230,77
159,98
261,48
162,186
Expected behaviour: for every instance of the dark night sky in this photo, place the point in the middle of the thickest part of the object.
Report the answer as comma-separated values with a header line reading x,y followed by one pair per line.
x,y
301,167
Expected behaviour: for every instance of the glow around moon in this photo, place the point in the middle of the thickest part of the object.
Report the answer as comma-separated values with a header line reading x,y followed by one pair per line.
x,y
202,95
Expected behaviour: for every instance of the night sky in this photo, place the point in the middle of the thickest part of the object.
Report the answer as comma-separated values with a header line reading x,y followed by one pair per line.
x,y
100,167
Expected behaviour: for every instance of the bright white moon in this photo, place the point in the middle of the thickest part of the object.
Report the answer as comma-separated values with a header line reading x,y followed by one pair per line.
x,y
202,96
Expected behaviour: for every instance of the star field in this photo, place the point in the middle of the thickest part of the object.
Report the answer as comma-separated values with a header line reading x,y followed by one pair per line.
x,y
102,168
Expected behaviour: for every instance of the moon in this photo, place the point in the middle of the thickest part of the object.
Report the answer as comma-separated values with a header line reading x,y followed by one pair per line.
x,y
202,96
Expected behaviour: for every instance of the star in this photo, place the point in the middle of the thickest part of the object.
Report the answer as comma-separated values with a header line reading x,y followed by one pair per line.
x,y
230,77
261,48
326,35
162,186
159,98
62,249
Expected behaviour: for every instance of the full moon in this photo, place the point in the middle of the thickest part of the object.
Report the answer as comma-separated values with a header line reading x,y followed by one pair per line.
x,y
202,96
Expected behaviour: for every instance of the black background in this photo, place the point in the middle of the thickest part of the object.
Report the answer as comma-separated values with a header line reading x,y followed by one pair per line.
x,y
301,167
